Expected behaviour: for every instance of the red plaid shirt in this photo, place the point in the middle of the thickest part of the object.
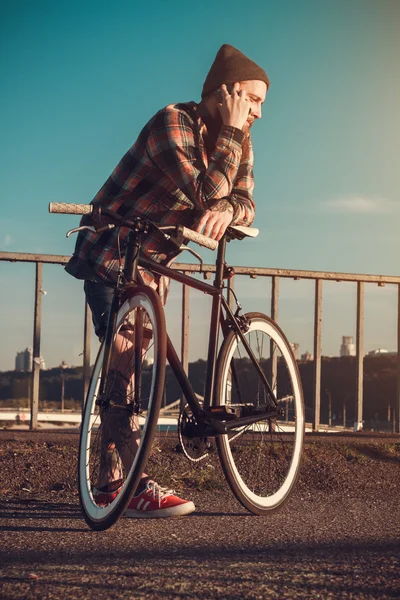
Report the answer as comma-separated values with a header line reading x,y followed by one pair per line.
x,y
168,176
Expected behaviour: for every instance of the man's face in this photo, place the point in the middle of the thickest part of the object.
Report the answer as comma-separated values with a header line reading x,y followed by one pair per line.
x,y
256,92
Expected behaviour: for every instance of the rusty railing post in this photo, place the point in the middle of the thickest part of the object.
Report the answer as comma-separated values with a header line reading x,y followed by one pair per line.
x,y
397,403
358,425
36,347
317,353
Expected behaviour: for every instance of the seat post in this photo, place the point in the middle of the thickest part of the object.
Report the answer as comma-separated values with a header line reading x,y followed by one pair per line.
x,y
220,264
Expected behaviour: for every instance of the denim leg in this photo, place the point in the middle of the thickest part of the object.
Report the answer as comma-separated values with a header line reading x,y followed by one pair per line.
x,y
99,297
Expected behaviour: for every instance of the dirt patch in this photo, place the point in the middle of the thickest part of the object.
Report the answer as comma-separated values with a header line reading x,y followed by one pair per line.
x,y
44,465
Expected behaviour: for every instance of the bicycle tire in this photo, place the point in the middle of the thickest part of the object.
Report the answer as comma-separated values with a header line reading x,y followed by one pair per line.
x,y
113,432
261,462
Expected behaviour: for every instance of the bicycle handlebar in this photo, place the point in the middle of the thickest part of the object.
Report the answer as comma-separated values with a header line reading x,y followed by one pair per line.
x,y
87,209
70,209
199,238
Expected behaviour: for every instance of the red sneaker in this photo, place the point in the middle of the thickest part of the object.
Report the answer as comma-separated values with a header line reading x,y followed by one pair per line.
x,y
155,501
104,496
152,502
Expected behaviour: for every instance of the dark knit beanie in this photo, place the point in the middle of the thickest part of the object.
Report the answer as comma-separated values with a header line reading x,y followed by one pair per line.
x,y
231,65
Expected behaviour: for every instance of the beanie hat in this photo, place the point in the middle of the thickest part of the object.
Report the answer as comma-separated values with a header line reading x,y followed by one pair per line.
x,y
231,65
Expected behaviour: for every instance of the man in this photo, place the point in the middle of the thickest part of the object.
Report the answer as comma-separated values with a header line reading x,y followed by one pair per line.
x,y
192,164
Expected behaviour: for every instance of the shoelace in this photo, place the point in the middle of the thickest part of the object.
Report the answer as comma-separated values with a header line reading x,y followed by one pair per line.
x,y
158,492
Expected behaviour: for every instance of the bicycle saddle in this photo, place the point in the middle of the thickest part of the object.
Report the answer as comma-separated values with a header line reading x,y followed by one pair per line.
x,y
240,231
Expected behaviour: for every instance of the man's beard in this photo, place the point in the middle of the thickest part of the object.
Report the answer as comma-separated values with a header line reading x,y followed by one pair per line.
x,y
247,126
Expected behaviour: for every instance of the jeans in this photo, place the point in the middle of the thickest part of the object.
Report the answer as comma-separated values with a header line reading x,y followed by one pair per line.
x,y
99,297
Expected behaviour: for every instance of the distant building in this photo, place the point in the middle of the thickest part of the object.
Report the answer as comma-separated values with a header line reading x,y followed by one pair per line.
x,y
307,356
377,352
24,361
295,347
347,348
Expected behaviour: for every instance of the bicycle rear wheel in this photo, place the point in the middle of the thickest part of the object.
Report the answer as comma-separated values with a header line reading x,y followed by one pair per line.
x,y
261,461
118,427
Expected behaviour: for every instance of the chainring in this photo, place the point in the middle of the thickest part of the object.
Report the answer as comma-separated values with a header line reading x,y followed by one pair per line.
x,y
194,448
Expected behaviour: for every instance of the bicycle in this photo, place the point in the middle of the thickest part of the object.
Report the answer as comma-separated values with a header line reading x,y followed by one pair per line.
x,y
253,400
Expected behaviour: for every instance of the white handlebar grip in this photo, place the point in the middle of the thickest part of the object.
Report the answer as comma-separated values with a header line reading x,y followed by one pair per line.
x,y
70,209
199,238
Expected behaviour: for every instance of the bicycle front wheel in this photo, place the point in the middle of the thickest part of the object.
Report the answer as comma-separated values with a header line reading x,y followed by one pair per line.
x,y
119,424
261,461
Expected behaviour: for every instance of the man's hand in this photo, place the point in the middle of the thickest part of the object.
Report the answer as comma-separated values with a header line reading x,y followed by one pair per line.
x,y
214,221
234,107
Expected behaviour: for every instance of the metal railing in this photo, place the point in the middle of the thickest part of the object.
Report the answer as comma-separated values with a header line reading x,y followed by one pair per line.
x,y
207,271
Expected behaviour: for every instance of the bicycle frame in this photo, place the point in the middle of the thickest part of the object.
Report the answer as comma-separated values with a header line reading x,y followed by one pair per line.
x,y
260,459
134,259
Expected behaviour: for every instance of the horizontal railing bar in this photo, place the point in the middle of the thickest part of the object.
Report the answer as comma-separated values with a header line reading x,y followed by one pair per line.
x,y
294,274
43,258
252,271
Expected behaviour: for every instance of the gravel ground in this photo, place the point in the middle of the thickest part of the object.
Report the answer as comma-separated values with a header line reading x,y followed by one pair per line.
x,y
337,537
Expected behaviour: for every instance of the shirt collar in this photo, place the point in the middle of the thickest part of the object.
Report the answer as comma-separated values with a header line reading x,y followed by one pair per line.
x,y
202,110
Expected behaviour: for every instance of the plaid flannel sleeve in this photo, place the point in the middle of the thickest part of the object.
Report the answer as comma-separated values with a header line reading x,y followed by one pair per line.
x,y
173,145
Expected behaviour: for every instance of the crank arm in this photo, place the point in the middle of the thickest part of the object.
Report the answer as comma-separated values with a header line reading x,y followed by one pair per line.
x,y
226,426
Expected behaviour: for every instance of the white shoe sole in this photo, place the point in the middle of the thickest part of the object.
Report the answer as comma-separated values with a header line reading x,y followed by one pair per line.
x,y
174,511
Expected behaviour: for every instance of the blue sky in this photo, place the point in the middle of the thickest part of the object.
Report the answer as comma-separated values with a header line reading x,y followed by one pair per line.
x,y
80,79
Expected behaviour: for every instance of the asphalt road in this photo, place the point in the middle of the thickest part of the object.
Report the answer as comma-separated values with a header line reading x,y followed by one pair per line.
x,y
324,544
323,547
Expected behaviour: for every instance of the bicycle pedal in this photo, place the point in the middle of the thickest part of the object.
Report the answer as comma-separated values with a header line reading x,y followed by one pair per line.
x,y
224,412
